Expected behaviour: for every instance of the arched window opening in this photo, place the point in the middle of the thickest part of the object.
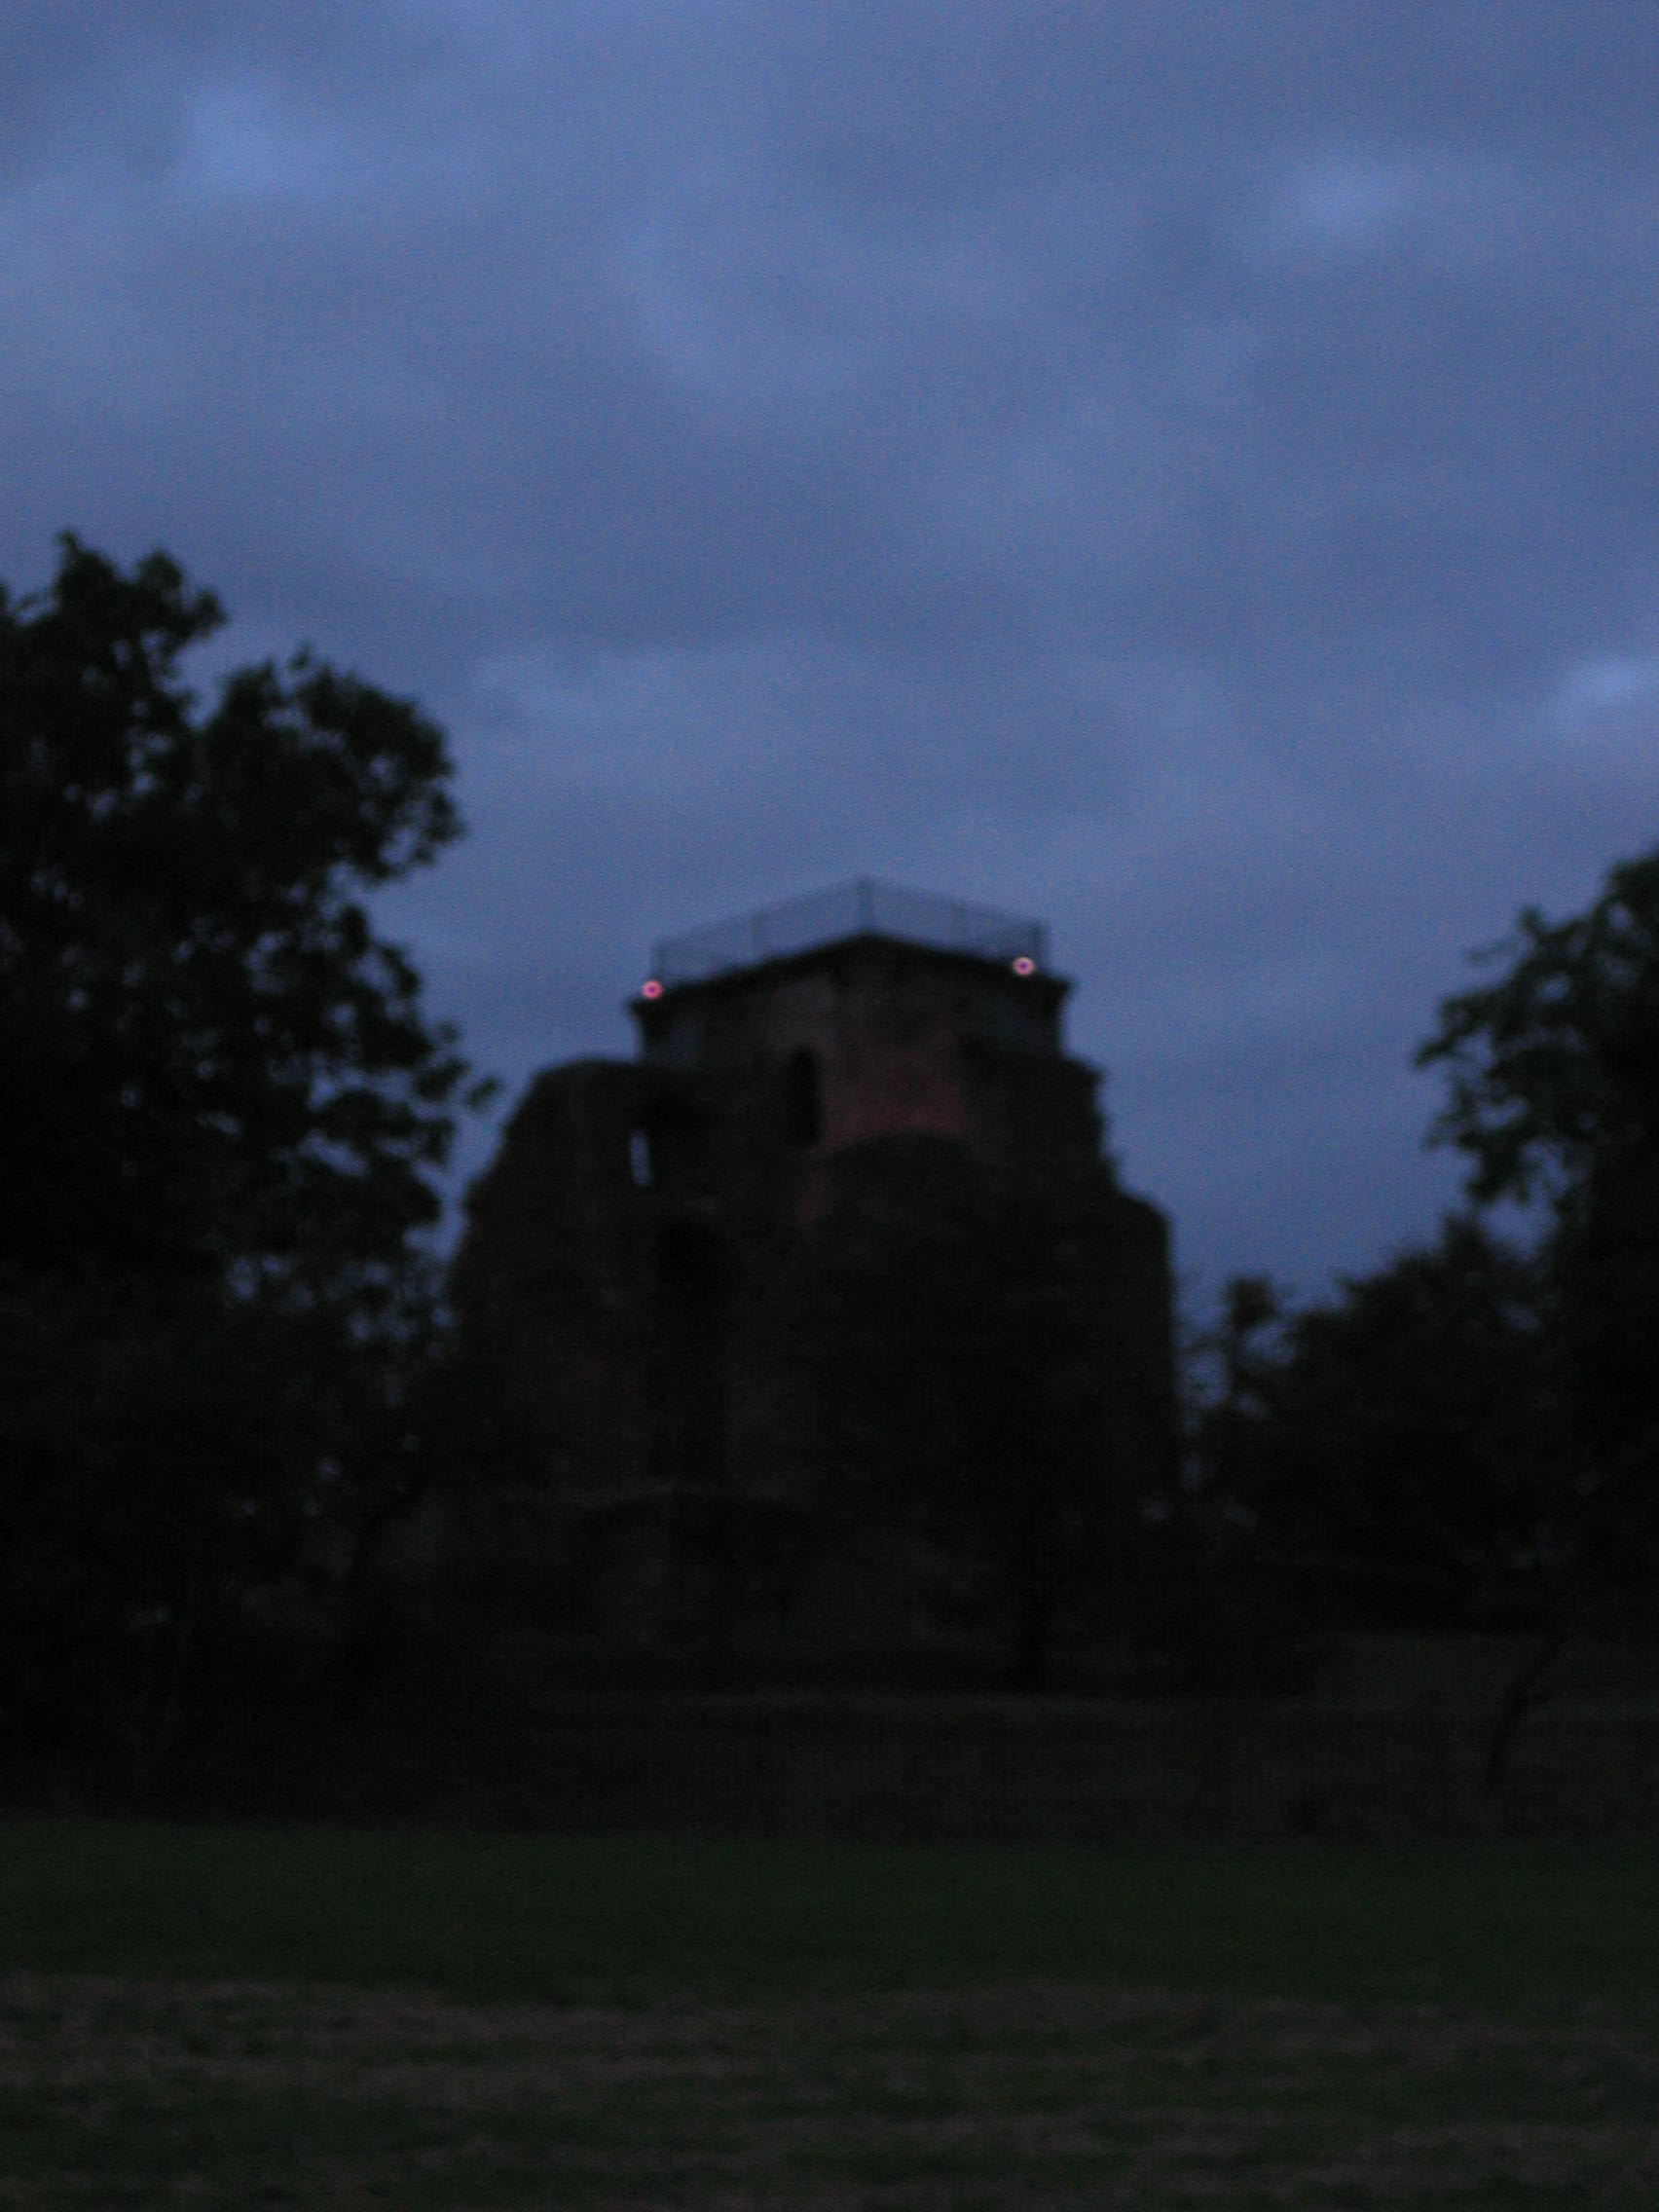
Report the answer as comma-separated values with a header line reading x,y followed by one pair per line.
x,y
800,1098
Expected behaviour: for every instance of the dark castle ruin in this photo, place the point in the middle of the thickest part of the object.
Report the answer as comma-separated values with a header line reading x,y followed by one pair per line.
x,y
825,1319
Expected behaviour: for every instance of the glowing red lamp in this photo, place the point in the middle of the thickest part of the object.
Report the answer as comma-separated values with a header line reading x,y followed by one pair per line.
x,y
651,988
1025,965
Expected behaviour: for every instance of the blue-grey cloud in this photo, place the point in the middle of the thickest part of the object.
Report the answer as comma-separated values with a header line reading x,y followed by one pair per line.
x,y
1187,471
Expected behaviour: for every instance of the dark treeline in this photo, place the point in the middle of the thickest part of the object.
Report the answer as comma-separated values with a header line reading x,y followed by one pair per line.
x,y
1469,1438
229,1379
223,1109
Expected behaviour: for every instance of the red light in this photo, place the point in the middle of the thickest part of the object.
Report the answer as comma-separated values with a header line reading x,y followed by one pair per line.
x,y
1025,965
651,988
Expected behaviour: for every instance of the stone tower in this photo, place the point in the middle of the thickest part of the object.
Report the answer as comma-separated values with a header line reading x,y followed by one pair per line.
x,y
628,1249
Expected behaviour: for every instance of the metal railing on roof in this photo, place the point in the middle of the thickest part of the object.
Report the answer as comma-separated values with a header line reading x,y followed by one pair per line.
x,y
861,908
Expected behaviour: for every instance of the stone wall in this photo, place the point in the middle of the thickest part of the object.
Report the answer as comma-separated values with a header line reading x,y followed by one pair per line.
x,y
631,1250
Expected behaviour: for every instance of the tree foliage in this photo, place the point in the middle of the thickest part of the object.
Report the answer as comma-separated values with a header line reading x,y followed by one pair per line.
x,y
1554,1094
1401,1445
214,1061
1471,1434
224,1104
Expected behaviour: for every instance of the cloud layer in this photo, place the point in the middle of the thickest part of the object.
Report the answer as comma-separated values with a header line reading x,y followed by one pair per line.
x,y
1188,473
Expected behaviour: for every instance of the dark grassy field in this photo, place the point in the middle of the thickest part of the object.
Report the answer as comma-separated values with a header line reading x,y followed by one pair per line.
x,y
553,1918
235,2016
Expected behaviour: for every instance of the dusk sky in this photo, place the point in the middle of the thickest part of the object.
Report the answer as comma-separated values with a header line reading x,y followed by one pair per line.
x,y
1189,473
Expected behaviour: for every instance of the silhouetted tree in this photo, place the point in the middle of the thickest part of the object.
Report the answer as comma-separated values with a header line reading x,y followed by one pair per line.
x,y
1233,1418
1554,1077
223,1108
1412,1456
1471,1435
1230,1611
